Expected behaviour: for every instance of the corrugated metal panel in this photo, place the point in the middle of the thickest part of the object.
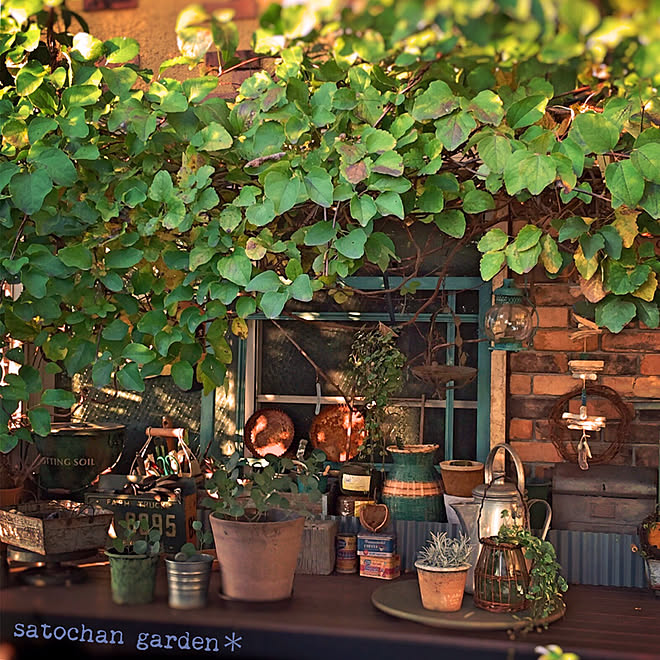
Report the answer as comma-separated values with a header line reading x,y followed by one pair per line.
x,y
598,558
586,557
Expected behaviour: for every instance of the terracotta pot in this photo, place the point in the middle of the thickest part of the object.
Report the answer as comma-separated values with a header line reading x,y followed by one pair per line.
x,y
460,477
258,559
441,588
10,496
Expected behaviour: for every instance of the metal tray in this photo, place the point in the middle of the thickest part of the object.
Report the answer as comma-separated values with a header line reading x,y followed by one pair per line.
x,y
402,599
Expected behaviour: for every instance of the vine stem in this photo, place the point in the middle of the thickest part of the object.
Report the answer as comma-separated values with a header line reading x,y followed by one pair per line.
x,y
317,369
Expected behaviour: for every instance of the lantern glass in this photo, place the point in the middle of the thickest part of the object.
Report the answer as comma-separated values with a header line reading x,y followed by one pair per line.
x,y
509,322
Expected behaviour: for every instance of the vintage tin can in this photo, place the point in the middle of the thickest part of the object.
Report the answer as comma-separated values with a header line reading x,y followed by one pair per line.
x,y
384,568
376,545
346,553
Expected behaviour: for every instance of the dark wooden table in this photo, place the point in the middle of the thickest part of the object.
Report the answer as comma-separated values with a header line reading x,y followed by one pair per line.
x,y
328,617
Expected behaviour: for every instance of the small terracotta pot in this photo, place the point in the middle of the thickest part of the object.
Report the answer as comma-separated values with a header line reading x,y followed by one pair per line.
x,y
441,589
10,496
460,477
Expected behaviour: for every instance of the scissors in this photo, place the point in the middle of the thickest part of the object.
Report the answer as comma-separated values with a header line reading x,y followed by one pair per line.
x,y
168,463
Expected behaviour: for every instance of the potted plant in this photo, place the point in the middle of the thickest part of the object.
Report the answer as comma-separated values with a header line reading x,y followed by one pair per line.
x,y
442,567
133,561
189,572
257,539
16,468
546,584
375,371
649,548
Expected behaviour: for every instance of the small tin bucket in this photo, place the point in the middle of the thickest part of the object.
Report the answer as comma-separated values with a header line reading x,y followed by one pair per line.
x,y
188,582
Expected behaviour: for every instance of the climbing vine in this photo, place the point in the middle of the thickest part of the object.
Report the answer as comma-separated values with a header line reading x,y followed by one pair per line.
x,y
144,218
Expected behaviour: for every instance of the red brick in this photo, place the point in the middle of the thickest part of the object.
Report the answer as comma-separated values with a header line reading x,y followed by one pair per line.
x,y
632,340
622,457
543,363
554,385
520,429
559,340
553,317
529,407
520,384
599,407
543,472
646,455
643,433
537,452
647,387
618,365
542,429
623,385
554,294
650,365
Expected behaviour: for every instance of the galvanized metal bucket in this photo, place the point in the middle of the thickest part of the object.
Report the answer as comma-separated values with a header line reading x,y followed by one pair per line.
x,y
188,582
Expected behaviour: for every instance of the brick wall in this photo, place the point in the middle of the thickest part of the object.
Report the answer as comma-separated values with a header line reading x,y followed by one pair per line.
x,y
538,377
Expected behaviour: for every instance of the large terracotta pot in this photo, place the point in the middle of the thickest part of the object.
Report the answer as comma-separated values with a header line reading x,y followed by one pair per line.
x,y
441,589
258,559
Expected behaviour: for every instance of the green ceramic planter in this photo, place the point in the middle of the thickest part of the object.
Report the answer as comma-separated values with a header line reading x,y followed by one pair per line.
x,y
412,489
132,578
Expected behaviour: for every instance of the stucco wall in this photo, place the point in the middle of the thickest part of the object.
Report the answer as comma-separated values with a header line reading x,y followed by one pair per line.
x,y
152,25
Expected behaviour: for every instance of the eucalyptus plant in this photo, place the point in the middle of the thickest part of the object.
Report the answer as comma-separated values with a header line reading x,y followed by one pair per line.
x,y
144,218
243,488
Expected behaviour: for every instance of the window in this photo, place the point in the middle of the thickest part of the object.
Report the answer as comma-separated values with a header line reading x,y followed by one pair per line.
x,y
277,375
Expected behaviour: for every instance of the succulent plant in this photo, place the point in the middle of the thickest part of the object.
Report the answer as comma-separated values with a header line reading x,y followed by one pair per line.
x,y
443,551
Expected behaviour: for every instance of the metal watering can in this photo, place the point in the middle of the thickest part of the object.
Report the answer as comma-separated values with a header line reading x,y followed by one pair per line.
x,y
482,517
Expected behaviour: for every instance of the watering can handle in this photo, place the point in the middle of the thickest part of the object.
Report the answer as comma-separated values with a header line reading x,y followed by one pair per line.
x,y
520,470
548,516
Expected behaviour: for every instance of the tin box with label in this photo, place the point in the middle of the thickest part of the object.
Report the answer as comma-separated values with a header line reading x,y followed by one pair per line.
x,y
384,568
376,544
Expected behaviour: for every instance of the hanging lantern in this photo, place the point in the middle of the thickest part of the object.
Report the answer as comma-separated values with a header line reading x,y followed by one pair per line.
x,y
509,322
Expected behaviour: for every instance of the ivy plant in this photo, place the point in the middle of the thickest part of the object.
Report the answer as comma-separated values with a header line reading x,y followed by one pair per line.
x,y
143,217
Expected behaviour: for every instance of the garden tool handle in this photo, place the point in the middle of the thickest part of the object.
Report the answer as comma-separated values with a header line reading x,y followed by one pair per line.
x,y
548,516
520,470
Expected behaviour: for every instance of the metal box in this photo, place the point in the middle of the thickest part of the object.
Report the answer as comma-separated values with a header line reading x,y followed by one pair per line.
x,y
174,519
604,498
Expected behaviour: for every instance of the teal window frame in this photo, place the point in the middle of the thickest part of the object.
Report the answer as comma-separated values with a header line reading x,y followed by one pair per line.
x,y
451,285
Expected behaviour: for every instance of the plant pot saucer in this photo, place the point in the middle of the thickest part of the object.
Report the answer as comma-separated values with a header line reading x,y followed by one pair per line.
x,y
401,599
229,599
438,375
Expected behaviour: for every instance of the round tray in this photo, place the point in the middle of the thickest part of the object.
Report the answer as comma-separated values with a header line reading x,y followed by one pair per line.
x,y
330,432
402,599
269,431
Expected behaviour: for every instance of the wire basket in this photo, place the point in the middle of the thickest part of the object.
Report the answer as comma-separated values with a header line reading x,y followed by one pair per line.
x,y
501,578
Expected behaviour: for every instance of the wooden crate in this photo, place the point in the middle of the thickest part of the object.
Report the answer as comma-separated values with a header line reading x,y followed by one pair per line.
x,y
56,527
317,555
